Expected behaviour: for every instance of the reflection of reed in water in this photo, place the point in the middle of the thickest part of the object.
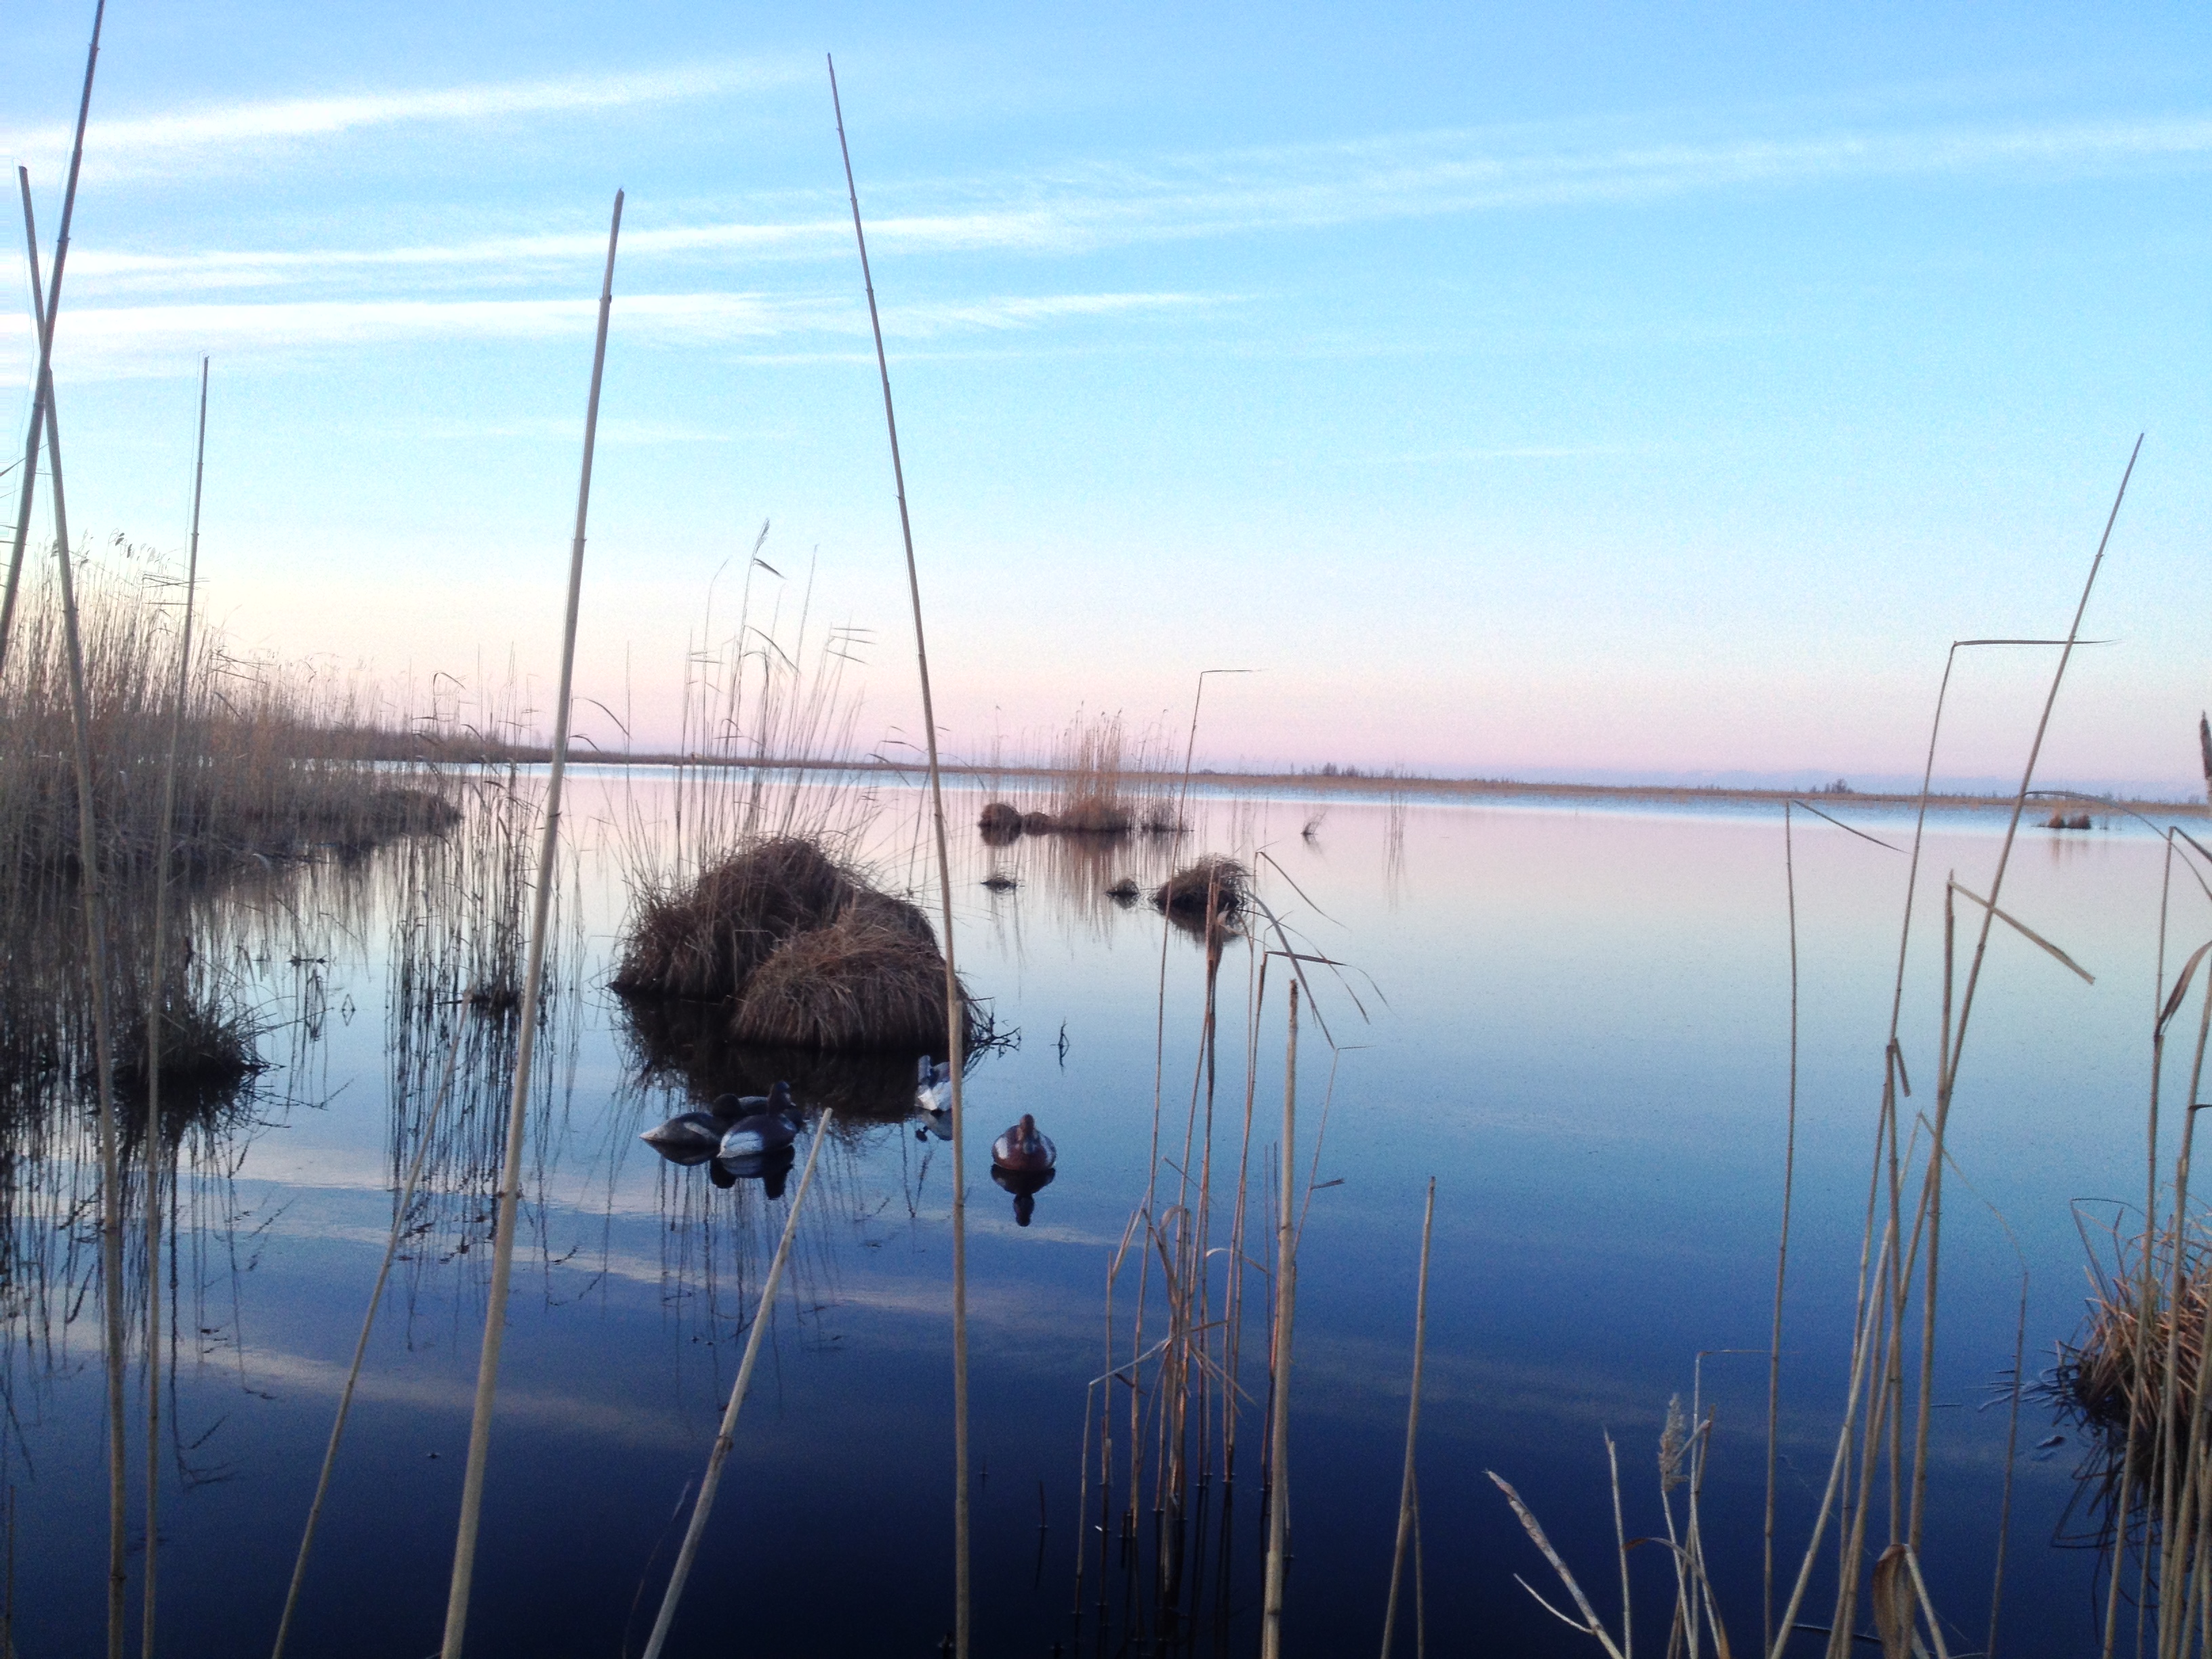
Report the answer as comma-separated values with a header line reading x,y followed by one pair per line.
x,y
457,908
1074,875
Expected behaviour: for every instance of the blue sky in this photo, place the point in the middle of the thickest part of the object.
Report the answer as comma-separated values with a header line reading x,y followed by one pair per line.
x,y
1606,392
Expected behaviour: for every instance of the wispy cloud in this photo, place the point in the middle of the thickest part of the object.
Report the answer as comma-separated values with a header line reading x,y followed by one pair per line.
x,y
132,144
1086,208
96,342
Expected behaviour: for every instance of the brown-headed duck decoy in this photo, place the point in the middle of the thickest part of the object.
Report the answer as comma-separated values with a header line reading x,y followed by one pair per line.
x,y
1024,1185
1022,1150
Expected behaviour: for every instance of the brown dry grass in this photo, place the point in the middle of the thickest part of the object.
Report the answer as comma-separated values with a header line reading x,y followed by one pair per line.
x,y
1184,893
872,979
275,759
705,942
2115,1367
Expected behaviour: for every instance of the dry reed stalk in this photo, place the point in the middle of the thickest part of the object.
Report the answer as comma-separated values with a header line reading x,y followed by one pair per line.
x,y
1782,1251
1413,1424
2012,1448
2140,1341
704,1503
400,1215
1946,1083
42,383
1861,1346
1591,1624
464,1547
111,1199
1279,1365
156,1006
2177,1512
1891,1385
954,1031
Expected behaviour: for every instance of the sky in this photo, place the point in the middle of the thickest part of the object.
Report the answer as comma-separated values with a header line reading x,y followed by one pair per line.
x,y
1589,390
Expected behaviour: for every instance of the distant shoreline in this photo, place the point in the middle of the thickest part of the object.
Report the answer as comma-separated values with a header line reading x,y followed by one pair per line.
x,y
1382,785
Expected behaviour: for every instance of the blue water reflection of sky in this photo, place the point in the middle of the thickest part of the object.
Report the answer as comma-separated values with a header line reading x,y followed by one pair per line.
x,y
1575,1020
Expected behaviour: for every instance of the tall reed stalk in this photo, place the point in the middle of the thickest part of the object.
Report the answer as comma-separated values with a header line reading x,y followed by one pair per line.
x,y
1946,1083
954,1034
42,394
157,1003
47,311
726,1436
1782,1249
1407,1487
1286,1283
464,1547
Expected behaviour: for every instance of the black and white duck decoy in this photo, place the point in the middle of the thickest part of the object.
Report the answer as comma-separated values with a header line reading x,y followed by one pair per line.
x,y
772,1129
932,1098
687,1138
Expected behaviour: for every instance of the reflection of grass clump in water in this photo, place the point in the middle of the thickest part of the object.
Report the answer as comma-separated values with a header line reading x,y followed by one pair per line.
x,y
802,952
691,1043
208,1057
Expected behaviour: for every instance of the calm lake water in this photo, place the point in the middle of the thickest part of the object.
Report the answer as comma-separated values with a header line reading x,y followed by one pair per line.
x,y
1575,1018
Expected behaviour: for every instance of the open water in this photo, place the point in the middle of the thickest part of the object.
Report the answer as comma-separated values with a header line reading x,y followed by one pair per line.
x,y
1575,1018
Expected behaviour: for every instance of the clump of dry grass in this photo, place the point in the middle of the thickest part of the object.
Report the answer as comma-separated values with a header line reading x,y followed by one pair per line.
x,y
706,941
803,952
871,980
2113,1377
1186,893
1000,819
1098,774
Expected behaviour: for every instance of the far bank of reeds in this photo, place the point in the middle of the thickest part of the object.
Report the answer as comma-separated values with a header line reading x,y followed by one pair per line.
x,y
275,759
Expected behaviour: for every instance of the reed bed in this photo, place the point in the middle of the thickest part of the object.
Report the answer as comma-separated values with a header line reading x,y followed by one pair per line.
x,y
269,753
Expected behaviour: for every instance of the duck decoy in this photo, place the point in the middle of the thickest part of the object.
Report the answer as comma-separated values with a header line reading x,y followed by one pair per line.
x,y
932,1085
687,1138
932,1098
1023,1150
769,1168
731,1108
1024,1185
772,1129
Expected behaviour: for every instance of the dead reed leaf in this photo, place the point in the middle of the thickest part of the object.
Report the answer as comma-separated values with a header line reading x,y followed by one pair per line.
x,y
2025,931
1536,1534
1894,1604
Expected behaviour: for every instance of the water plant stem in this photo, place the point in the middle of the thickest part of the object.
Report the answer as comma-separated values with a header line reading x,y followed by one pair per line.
x,y
42,383
89,890
1948,1081
510,1183
1782,1250
725,1438
1413,1424
1286,1269
156,1004
954,1034
405,1203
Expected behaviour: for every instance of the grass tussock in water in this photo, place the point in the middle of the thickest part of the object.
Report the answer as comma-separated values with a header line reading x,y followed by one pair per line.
x,y
705,941
1218,881
802,952
2115,1374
